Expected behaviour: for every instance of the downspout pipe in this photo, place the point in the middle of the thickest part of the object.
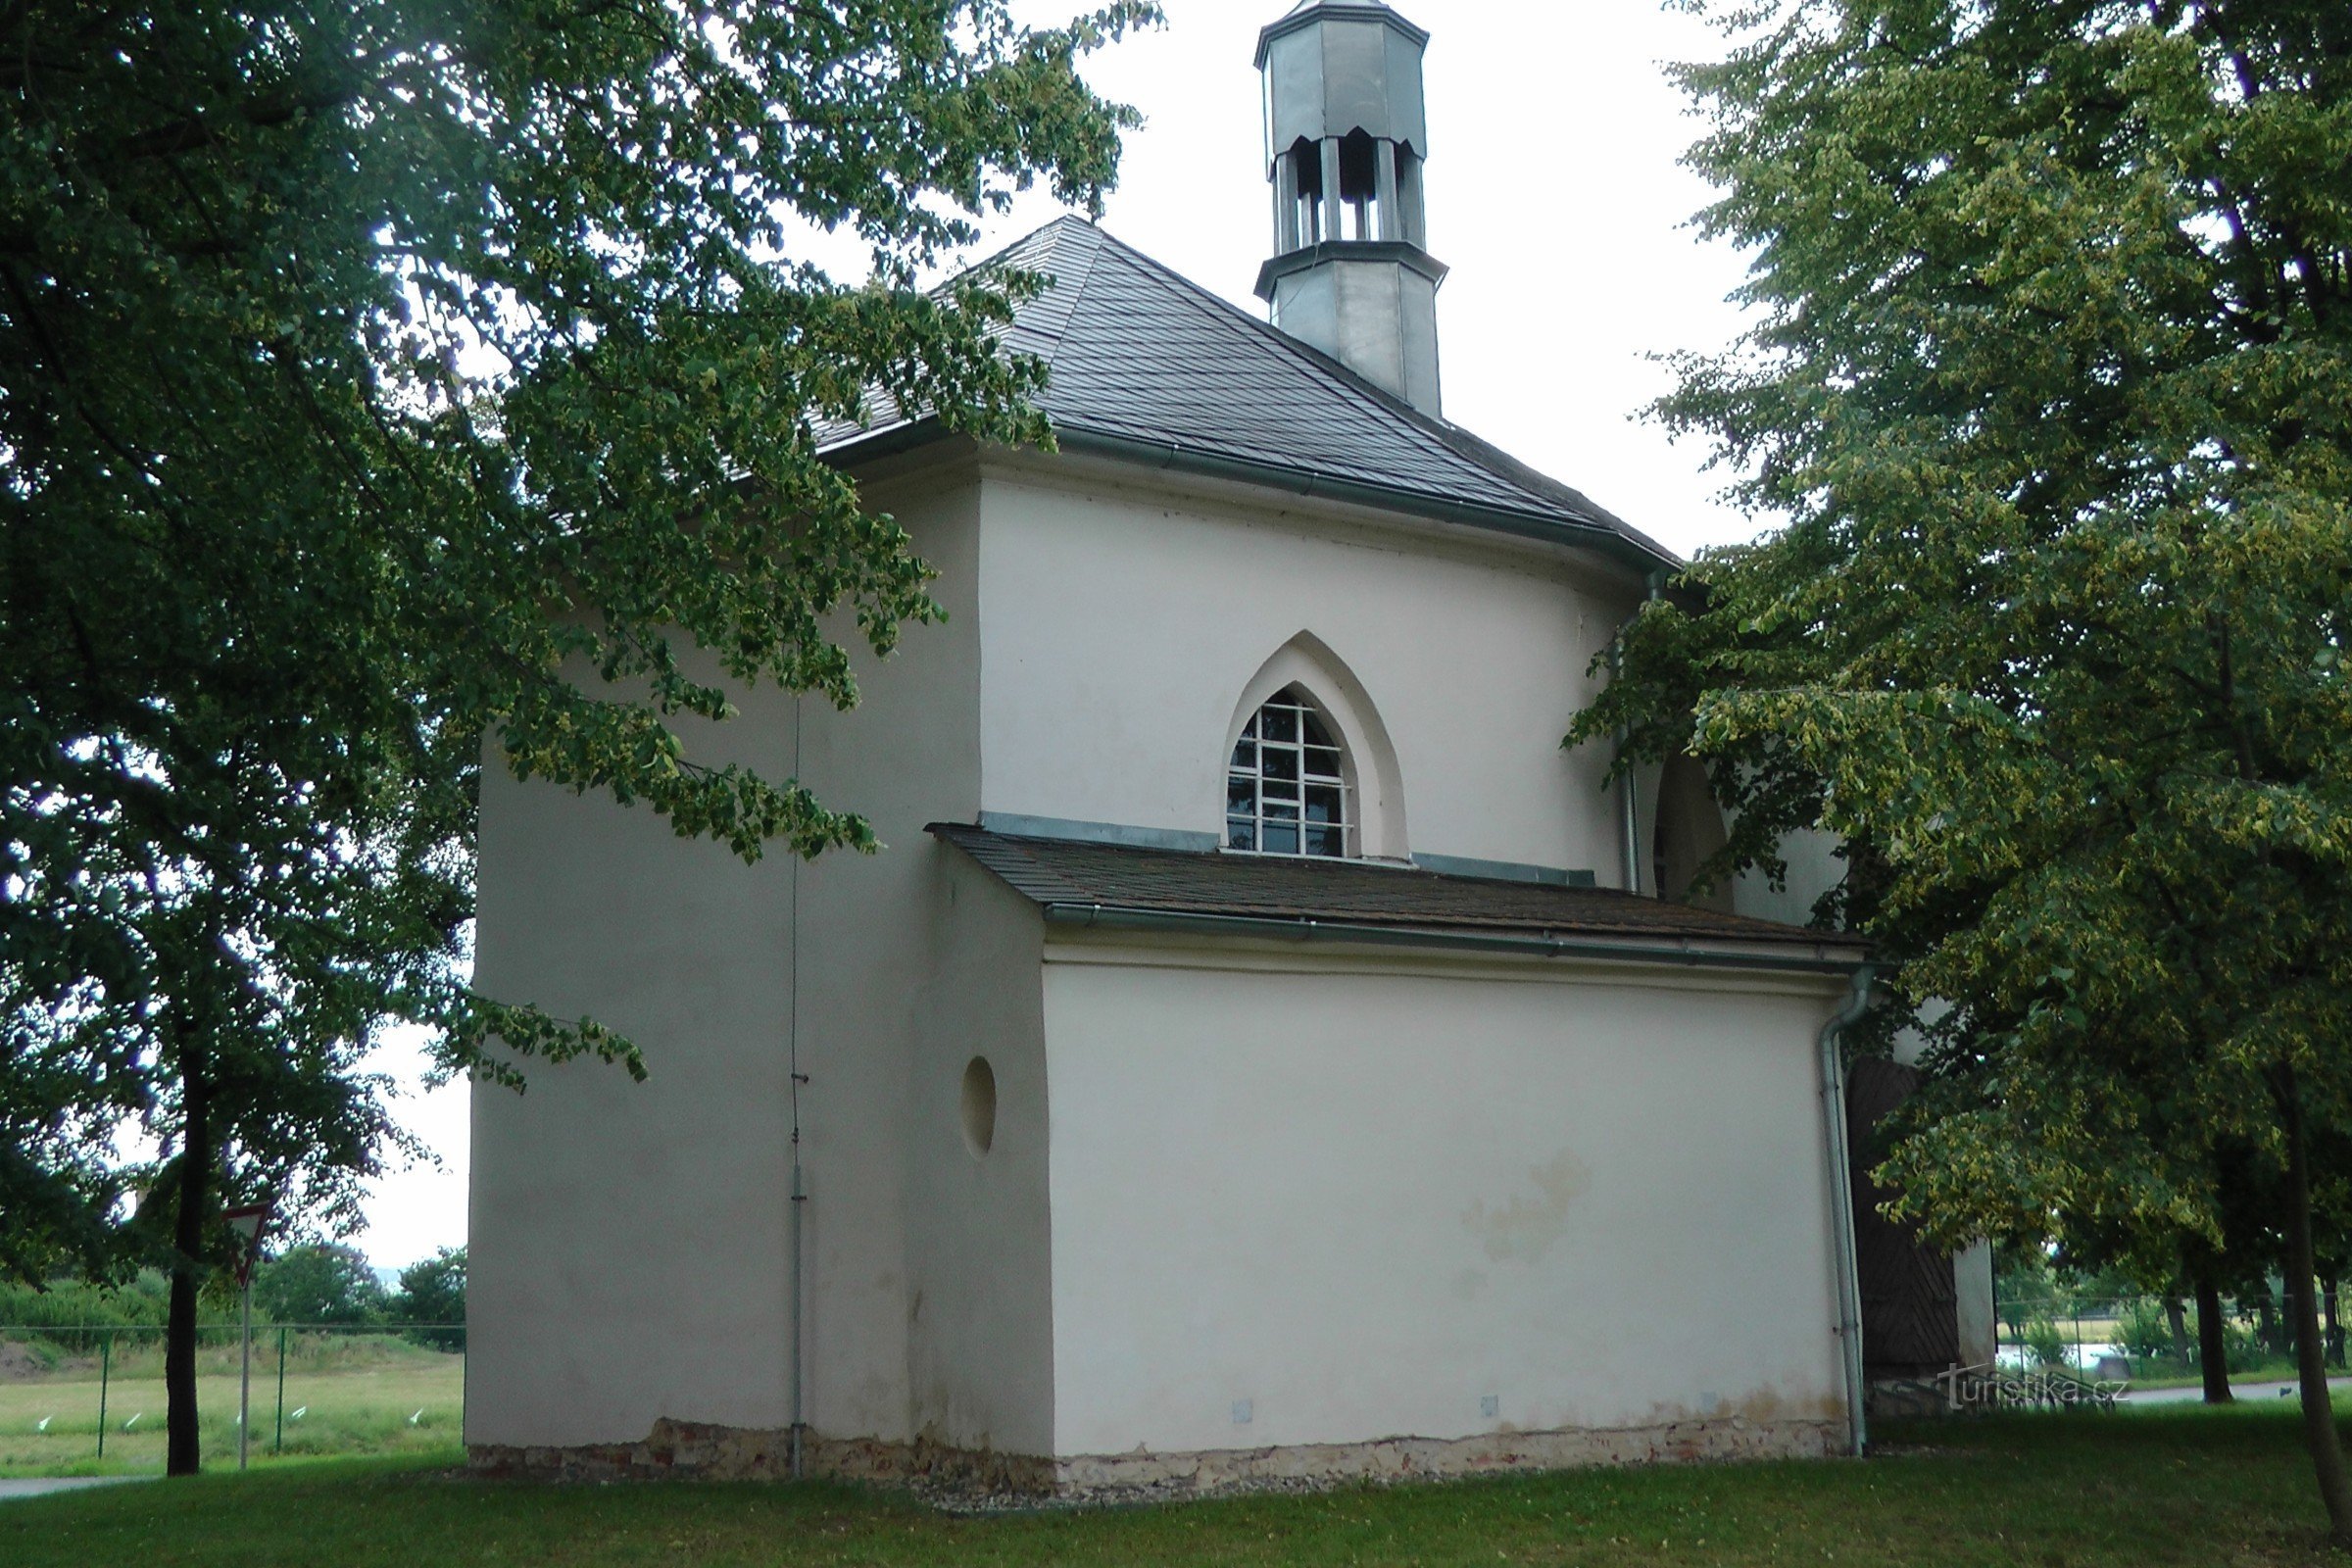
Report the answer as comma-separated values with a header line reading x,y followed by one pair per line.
x,y
1632,833
797,1201
1630,828
1838,1150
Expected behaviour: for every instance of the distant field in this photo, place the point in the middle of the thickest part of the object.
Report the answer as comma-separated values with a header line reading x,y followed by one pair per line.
x,y
377,1396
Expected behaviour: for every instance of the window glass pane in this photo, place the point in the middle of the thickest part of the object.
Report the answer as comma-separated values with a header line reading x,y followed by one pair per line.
x,y
1271,807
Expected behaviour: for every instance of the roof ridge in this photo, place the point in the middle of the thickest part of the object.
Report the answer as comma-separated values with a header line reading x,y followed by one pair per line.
x,y
1234,318
1314,359
1072,292
993,260
997,259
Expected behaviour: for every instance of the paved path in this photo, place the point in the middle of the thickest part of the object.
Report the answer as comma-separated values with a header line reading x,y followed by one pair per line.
x,y
44,1485
2244,1390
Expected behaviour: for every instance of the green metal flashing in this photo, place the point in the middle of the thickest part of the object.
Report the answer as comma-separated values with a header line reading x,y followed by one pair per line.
x,y
1308,256
1505,871
1060,828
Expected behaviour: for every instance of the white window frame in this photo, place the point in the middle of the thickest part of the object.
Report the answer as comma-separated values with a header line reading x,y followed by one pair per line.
x,y
1245,770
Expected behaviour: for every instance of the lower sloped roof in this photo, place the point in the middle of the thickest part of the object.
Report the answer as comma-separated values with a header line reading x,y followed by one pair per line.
x,y
1094,883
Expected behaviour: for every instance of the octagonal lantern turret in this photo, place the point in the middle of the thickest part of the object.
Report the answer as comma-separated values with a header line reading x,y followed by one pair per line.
x,y
1346,133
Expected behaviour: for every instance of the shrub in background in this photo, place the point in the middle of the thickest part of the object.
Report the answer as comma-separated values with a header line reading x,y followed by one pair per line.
x,y
432,1299
2143,1332
318,1284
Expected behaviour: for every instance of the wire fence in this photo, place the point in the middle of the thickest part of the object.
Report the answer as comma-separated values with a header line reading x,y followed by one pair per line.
x,y
2148,1338
92,1399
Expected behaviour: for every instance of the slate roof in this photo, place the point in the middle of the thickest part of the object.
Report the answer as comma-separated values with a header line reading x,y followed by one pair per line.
x,y
1138,356
1073,875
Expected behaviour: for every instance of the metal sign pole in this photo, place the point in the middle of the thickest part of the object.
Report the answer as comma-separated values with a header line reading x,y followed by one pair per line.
x,y
245,1373
247,1223
106,1365
277,1445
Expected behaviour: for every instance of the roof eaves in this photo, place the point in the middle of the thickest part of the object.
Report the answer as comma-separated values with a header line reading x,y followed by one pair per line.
x,y
1545,525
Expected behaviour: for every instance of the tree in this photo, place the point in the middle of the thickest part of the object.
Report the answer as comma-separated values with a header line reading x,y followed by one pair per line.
x,y
379,375
432,1296
319,1283
2052,381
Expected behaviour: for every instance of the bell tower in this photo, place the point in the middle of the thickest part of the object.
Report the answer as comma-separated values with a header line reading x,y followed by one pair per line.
x,y
1346,138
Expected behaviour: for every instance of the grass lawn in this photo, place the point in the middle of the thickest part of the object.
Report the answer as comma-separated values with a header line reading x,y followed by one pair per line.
x,y
2214,1490
374,1396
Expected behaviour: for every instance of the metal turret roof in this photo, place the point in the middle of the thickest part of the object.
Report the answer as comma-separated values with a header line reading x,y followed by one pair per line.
x,y
1147,367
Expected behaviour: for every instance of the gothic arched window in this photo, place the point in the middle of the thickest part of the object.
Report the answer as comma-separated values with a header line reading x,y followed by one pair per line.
x,y
1286,791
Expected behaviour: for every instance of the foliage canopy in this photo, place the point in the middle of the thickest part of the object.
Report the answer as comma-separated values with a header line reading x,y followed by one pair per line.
x,y
2052,381
376,375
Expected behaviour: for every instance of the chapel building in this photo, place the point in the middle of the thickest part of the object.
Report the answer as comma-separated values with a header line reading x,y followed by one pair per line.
x,y
1260,1049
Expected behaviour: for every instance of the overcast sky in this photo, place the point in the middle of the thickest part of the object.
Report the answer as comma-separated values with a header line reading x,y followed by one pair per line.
x,y
1555,194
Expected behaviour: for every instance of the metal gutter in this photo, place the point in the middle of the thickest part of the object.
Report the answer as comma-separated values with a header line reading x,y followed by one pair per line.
x,y
1837,1140
1115,917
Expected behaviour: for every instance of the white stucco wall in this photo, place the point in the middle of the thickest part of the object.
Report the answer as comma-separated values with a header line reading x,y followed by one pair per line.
x,y
979,1309
629,1241
1362,1201
1120,627
1359,1200
626,1245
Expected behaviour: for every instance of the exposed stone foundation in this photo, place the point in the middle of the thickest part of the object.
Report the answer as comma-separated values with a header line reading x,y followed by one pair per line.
x,y
689,1449
680,1448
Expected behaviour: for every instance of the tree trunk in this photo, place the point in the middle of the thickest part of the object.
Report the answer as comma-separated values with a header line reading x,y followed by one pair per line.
x,y
182,1453
2175,1317
2335,1326
2213,1345
2311,1359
